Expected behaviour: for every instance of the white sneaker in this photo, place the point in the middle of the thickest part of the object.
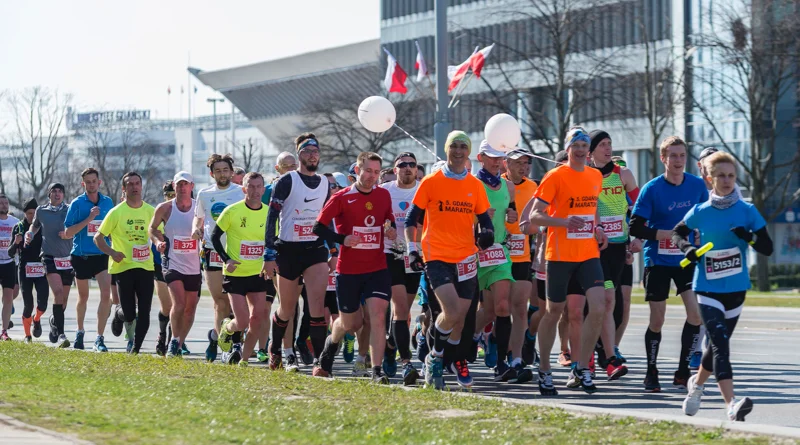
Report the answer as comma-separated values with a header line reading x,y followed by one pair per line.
x,y
290,363
360,369
691,404
62,341
739,408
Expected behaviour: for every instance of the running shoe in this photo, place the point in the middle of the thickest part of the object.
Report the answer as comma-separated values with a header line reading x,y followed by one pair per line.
x,y
651,383
546,387
348,350
129,347
694,362
174,348
524,374
680,380
490,358
291,364
389,361
78,340
586,381
591,365
305,352
473,351
4,336
37,328
615,369
738,409
27,340
319,372
619,355
62,341
261,355
529,350
691,404
503,372
10,322
116,322
378,377
417,329
360,369
211,350
243,364
422,347
410,374
99,344
184,349
460,369
275,361
434,372
53,330
368,361
564,359
235,356
225,340
574,379
161,345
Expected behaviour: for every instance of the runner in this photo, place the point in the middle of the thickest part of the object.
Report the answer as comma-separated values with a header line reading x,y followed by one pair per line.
x,y
420,172
387,175
405,281
612,206
721,278
450,198
84,216
362,278
131,259
662,203
297,199
238,175
56,246
8,268
162,290
210,203
245,278
180,257
566,202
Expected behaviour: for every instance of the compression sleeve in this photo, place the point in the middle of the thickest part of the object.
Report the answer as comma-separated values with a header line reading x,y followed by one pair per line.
x,y
485,221
328,235
216,241
280,192
640,230
634,194
413,216
680,236
763,243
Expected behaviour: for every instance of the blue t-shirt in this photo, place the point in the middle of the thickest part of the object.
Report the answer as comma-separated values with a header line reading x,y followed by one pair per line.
x,y
79,208
724,268
663,205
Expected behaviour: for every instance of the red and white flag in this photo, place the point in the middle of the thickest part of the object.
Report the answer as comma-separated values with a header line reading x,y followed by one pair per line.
x,y
420,65
479,59
395,80
456,73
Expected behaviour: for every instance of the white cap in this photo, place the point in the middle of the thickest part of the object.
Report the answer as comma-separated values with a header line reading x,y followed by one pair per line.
x,y
183,176
487,150
341,179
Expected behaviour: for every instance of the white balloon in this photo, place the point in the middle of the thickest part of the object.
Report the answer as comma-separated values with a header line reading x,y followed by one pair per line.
x,y
376,114
502,132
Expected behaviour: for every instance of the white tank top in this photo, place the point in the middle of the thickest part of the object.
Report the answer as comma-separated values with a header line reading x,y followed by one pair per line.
x,y
401,201
301,208
184,252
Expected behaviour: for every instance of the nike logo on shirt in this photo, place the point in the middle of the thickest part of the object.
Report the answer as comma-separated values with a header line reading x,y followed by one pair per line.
x,y
350,202
309,200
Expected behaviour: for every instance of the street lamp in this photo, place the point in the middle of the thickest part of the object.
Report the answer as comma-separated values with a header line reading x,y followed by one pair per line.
x,y
214,102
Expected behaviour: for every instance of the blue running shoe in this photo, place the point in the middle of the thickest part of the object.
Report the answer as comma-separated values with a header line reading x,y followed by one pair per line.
x,y
184,349
422,347
619,355
461,370
694,362
434,372
390,362
174,348
78,340
490,358
348,350
129,348
211,350
410,374
99,344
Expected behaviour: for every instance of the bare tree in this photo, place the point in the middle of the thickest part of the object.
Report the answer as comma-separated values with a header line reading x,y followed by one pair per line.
x,y
754,48
36,145
250,157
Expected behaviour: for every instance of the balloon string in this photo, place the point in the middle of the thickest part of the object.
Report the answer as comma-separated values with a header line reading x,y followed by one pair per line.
x,y
417,141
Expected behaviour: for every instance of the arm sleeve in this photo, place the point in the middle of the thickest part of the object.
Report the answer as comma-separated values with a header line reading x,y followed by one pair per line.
x,y
413,216
328,235
680,236
216,241
640,230
280,192
763,243
485,222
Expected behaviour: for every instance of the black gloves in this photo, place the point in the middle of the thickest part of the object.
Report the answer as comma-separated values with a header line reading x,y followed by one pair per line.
x,y
415,262
485,239
743,234
691,254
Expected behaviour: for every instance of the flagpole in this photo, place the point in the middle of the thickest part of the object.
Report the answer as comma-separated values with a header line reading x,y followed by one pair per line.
x,y
461,87
168,94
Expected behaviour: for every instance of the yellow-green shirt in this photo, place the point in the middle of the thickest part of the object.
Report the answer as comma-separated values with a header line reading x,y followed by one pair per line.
x,y
244,237
128,229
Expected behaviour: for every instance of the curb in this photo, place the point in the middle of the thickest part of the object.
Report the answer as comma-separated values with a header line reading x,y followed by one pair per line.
x,y
16,424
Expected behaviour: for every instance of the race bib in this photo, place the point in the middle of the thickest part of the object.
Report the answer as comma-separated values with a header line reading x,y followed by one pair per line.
x,y
369,237
467,268
5,243
214,260
34,270
585,232
184,245
141,252
331,283
492,256
304,233
612,226
407,264
93,227
541,276
723,263
667,247
516,244
251,250
63,263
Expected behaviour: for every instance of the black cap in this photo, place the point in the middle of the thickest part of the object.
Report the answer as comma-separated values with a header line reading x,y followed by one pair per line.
x,y
55,185
352,170
597,136
708,151
561,156
30,204
404,154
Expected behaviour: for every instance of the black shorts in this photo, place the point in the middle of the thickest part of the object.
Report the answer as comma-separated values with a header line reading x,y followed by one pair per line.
x,y
158,273
612,258
87,267
657,281
627,275
330,302
521,271
567,278
8,275
67,275
294,258
541,287
397,269
271,290
440,273
206,261
352,290
191,283
244,285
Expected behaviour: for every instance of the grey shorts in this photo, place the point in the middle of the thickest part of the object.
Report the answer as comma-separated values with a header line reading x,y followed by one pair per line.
x,y
587,274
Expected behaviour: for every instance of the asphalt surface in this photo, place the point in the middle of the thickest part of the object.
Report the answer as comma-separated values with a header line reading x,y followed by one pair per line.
x,y
766,364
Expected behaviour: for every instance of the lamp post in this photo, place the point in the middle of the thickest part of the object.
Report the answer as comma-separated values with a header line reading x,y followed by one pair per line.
x,y
442,124
214,102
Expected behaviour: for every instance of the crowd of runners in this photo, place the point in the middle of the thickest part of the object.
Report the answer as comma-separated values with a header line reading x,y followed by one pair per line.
x,y
495,259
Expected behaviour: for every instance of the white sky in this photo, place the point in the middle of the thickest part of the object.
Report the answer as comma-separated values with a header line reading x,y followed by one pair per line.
x,y
115,55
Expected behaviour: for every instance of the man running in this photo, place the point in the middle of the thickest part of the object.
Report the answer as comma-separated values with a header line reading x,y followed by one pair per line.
x,y
31,272
450,198
297,200
245,278
8,268
210,203
238,175
361,212
84,216
56,246
405,281
566,203
662,204
180,257
131,259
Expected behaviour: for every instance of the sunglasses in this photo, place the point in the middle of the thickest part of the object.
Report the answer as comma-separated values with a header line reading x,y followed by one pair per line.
x,y
409,164
334,186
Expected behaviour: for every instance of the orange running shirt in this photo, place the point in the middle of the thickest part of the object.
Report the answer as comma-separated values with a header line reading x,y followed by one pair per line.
x,y
571,193
450,207
518,243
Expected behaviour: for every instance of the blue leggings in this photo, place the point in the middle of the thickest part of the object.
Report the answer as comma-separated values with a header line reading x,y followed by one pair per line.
x,y
720,313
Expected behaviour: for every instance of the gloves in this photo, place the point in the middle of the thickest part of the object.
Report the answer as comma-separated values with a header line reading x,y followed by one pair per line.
x,y
485,239
743,234
415,262
691,254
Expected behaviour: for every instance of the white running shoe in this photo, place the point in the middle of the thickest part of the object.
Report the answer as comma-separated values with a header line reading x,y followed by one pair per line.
x,y
691,404
739,408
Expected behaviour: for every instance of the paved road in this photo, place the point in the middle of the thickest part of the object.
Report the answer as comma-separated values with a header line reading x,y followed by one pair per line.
x,y
766,364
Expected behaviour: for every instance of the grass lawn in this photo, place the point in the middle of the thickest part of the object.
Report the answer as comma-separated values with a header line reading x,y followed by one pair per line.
x,y
116,398
754,298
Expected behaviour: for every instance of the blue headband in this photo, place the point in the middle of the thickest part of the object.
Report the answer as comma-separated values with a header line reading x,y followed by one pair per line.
x,y
579,135
306,143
